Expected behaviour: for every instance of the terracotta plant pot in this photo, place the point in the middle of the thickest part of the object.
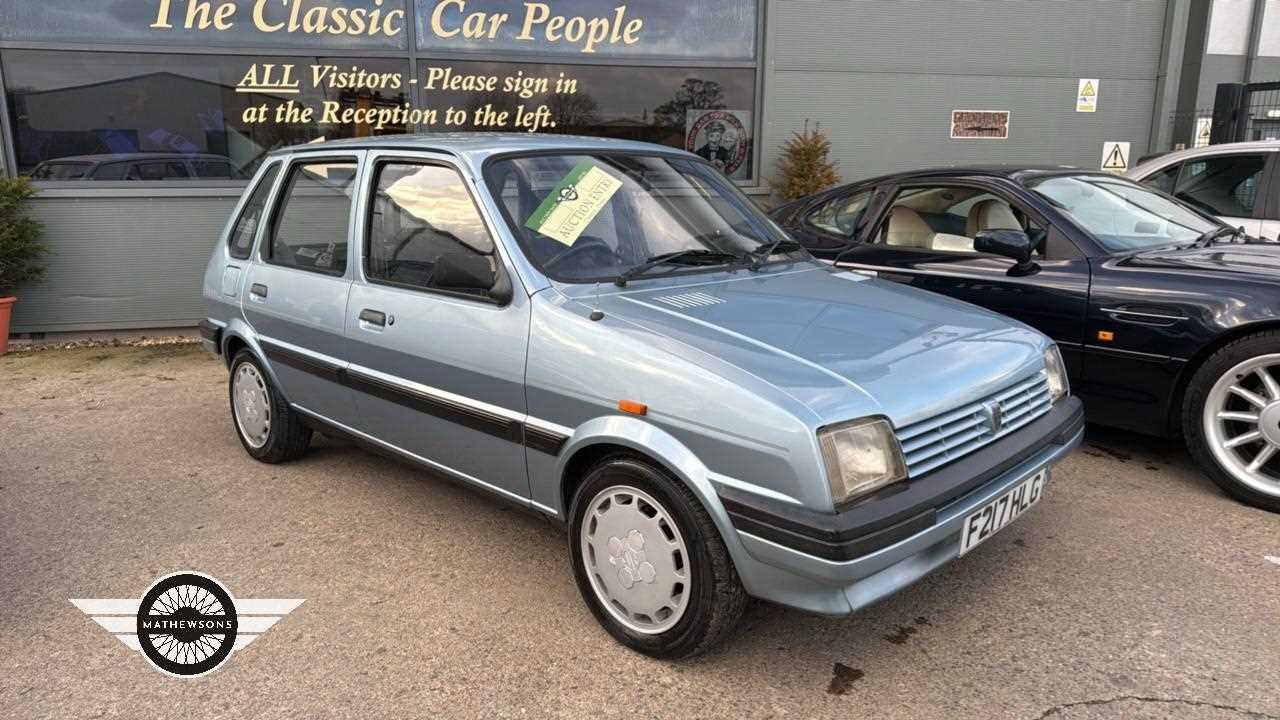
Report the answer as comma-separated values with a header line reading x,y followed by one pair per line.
x,y
6,307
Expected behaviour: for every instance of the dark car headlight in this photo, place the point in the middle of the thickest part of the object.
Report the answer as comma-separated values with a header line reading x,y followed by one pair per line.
x,y
1056,372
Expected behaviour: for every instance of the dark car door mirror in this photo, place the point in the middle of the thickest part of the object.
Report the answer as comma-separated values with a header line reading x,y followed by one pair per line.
x,y
463,272
1013,244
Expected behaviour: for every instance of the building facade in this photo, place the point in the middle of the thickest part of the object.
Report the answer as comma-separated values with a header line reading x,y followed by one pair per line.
x,y
140,120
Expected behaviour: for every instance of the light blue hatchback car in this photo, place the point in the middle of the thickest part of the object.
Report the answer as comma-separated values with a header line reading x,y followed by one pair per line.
x,y
611,334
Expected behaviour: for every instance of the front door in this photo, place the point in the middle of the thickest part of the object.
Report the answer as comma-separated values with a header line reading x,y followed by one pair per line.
x,y
437,367
295,295
925,239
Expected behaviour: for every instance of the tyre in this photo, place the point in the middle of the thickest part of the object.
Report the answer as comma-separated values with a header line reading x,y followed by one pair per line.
x,y
267,427
1231,419
649,561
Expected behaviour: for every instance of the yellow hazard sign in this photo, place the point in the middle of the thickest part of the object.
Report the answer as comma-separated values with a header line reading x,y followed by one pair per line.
x,y
1087,95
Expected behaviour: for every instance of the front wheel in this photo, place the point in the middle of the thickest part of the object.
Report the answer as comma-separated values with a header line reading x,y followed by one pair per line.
x,y
1231,419
649,561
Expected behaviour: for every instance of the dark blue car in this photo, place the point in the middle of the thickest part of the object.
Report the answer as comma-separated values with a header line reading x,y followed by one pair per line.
x,y
1169,320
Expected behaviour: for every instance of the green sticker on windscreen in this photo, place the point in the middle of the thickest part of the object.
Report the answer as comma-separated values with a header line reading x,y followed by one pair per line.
x,y
574,203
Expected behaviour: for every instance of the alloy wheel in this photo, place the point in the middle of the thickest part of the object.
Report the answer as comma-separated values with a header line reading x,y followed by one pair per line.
x,y
1241,420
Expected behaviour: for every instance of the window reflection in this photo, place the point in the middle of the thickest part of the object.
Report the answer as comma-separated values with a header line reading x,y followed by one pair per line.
x,y
127,117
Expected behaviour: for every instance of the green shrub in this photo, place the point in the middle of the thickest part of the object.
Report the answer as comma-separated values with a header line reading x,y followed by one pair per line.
x,y
20,246
804,167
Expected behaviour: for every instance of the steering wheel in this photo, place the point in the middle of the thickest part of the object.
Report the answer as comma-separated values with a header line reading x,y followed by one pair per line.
x,y
586,243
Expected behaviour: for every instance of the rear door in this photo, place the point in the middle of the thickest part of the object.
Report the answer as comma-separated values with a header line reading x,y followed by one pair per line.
x,y
925,239
295,295
437,367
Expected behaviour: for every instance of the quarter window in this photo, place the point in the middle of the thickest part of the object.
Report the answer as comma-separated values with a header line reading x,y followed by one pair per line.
x,y
841,215
311,225
424,227
246,227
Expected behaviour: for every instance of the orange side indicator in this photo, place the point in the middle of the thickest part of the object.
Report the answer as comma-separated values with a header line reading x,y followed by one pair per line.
x,y
633,408
1106,335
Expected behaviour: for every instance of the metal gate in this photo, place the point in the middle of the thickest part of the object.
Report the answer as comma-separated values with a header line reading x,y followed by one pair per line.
x,y
1243,112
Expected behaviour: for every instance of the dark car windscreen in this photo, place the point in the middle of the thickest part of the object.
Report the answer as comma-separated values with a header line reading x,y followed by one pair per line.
x,y
1122,215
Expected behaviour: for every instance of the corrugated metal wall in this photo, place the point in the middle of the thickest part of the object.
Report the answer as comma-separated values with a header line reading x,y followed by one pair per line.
x,y
121,262
883,78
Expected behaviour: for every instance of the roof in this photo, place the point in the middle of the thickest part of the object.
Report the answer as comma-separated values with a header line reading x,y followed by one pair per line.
x,y
480,146
1220,149
1017,173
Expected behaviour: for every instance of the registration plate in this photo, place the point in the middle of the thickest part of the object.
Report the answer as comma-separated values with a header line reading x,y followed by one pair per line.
x,y
995,515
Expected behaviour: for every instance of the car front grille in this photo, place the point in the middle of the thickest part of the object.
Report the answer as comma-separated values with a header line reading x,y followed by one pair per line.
x,y
950,436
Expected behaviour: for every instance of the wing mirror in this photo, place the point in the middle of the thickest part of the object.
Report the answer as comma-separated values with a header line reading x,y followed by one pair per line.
x,y
1013,244
465,272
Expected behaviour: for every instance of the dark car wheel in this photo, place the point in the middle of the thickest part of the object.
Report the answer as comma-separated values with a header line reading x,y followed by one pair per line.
x,y
267,427
1231,419
649,561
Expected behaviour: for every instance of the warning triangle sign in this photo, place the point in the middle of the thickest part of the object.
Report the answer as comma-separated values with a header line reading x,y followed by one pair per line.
x,y
1088,90
1115,161
1115,157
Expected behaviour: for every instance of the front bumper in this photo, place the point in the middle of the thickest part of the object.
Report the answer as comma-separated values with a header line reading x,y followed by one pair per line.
x,y
837,563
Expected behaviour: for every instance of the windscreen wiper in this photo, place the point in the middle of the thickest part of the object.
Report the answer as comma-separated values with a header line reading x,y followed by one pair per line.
x,y
1206,239
691,256
762,256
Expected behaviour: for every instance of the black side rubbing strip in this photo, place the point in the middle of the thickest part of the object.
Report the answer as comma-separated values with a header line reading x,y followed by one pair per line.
x,y
544,441
490,423
476,419
305,363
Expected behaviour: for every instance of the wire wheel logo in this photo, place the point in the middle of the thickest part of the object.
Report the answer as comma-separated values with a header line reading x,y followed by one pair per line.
x,y
187,624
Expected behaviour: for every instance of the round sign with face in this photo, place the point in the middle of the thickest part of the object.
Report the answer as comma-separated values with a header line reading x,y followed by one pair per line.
x,y
719,137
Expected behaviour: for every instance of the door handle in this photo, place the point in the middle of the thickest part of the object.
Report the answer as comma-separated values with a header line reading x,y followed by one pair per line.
x,y
373,317
258,290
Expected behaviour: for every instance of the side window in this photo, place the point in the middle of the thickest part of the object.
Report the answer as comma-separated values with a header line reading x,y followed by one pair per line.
x,y
312,220
425,231
947,219
1226,186
246,228
1165,179
840,215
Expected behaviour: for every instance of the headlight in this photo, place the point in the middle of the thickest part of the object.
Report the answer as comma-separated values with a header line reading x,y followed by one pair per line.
x,y
861,456
1057,374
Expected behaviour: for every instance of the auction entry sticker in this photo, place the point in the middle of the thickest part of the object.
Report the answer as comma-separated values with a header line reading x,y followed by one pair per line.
x,y
574,203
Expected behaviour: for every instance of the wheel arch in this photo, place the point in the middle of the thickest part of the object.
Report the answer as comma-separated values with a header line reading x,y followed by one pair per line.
x,y
604,436
1173,421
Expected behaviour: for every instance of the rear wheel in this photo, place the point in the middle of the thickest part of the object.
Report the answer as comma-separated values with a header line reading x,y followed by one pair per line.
x,y
268,428
1231,419
650,562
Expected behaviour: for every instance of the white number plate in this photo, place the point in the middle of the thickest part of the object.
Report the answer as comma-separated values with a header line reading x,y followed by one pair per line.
x,y
995,515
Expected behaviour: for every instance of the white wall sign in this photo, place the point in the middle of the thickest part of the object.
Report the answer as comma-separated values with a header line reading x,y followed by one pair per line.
x,y
1115,157
1087,95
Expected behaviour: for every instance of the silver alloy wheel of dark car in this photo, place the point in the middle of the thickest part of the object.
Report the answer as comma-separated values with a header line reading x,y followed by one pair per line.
x,y
1241,420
